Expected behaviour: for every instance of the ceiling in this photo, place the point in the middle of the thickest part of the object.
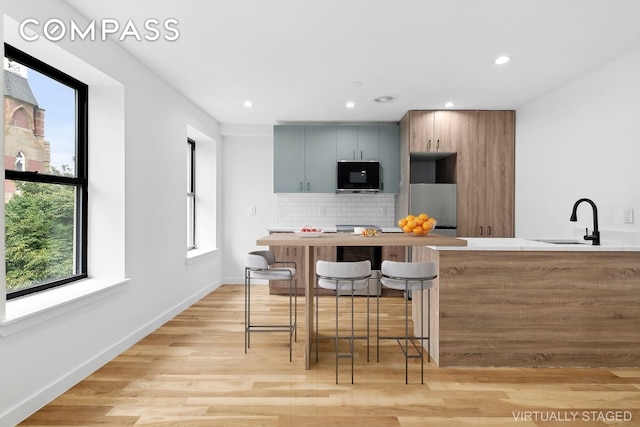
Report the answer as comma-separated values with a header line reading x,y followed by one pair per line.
x,y
299,61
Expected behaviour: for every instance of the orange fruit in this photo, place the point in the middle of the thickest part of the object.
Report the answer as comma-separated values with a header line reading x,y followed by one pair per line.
x,y
418,230
419,220
402,222
412,224
432,220
424,216
406,229
427,226
410,217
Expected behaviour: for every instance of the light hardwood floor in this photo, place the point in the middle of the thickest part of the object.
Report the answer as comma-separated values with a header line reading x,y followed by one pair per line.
x,y
193,372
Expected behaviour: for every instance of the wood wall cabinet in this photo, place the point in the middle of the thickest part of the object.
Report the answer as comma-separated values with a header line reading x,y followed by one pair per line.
x,y
484,171
435,131
486,175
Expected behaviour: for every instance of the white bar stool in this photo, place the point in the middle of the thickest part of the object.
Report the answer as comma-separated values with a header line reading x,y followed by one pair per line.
x,y
409,276
343,276
262,265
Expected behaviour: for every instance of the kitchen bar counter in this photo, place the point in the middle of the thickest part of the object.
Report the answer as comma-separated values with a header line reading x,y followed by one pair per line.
x,y
346,239
522,303
341,239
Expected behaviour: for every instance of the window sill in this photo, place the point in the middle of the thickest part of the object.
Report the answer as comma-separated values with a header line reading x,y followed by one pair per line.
x,y
31,310
195,255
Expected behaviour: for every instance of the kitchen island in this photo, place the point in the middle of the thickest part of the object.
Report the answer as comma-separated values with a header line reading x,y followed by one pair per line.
x,y
526,303
340,239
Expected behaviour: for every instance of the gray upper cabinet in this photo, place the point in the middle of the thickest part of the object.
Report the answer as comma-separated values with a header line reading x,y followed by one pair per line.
x,y
357,142
288,159
305,156
389,155
304,159
320,159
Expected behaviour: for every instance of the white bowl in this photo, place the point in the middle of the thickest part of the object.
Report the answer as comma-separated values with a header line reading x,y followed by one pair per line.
x,y
308,233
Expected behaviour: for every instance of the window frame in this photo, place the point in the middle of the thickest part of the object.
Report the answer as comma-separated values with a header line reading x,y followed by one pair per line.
x,y
191,194
79,181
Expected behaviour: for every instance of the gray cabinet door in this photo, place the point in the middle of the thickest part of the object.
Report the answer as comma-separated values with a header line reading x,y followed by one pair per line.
x,y
320,158
288,159
389,155
367,142
347,142
357,142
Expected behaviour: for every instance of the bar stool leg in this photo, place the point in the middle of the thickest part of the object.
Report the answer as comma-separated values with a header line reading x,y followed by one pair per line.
x,y
247,308
351,349
290,321
336,347
378,327
317,324
422,337
406,336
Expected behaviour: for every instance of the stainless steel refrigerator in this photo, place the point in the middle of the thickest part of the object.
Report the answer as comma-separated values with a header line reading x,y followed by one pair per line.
x,y
438,201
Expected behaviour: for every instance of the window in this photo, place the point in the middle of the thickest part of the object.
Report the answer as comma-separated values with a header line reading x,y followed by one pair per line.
x,y
191,194
20,162
45,175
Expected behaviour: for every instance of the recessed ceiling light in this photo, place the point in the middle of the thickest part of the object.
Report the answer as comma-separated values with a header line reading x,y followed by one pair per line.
x,y
248,104
351,104
449,104
502,60
383,99
357,83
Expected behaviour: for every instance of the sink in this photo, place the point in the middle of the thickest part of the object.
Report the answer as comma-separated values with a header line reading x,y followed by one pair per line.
x,y
559,241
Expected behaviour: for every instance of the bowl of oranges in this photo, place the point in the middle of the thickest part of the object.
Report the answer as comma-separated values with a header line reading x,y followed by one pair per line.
x,y
417,225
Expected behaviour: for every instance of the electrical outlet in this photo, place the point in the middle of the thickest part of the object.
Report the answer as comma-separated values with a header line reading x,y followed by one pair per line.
x,y
252,210
628,216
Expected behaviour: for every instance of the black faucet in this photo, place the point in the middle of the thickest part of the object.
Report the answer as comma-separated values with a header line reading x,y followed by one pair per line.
x,y
595,236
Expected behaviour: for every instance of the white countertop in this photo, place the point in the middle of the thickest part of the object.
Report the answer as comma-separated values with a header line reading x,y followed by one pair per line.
x,y
518,244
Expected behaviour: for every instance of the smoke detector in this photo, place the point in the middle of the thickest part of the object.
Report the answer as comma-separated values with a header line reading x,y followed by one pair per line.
x,y
385,99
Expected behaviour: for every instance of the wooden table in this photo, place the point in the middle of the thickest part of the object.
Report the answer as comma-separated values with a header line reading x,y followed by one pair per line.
x,y
340,239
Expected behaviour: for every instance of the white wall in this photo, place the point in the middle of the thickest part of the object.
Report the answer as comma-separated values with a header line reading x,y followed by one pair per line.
x,y
41,361
581,140
248,181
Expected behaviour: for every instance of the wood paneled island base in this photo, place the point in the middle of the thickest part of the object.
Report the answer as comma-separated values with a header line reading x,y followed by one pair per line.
x,y
536,308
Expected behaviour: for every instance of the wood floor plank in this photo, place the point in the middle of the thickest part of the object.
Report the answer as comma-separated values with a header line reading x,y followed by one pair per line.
x,y
193,372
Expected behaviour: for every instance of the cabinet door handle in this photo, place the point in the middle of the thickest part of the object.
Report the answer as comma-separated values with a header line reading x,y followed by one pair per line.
x,y
481,230
308,186
428,145
489,231
354,154
287,251
360,154
438,145
300,185
295,251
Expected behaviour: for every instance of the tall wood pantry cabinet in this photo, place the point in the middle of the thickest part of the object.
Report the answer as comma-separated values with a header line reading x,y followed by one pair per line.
x,y
484,171
486,176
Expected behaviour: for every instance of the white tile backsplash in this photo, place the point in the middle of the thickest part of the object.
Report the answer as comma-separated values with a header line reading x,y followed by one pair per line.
x,y
326,210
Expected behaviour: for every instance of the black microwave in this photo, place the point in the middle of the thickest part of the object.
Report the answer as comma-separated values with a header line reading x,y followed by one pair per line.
x,y
358,177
